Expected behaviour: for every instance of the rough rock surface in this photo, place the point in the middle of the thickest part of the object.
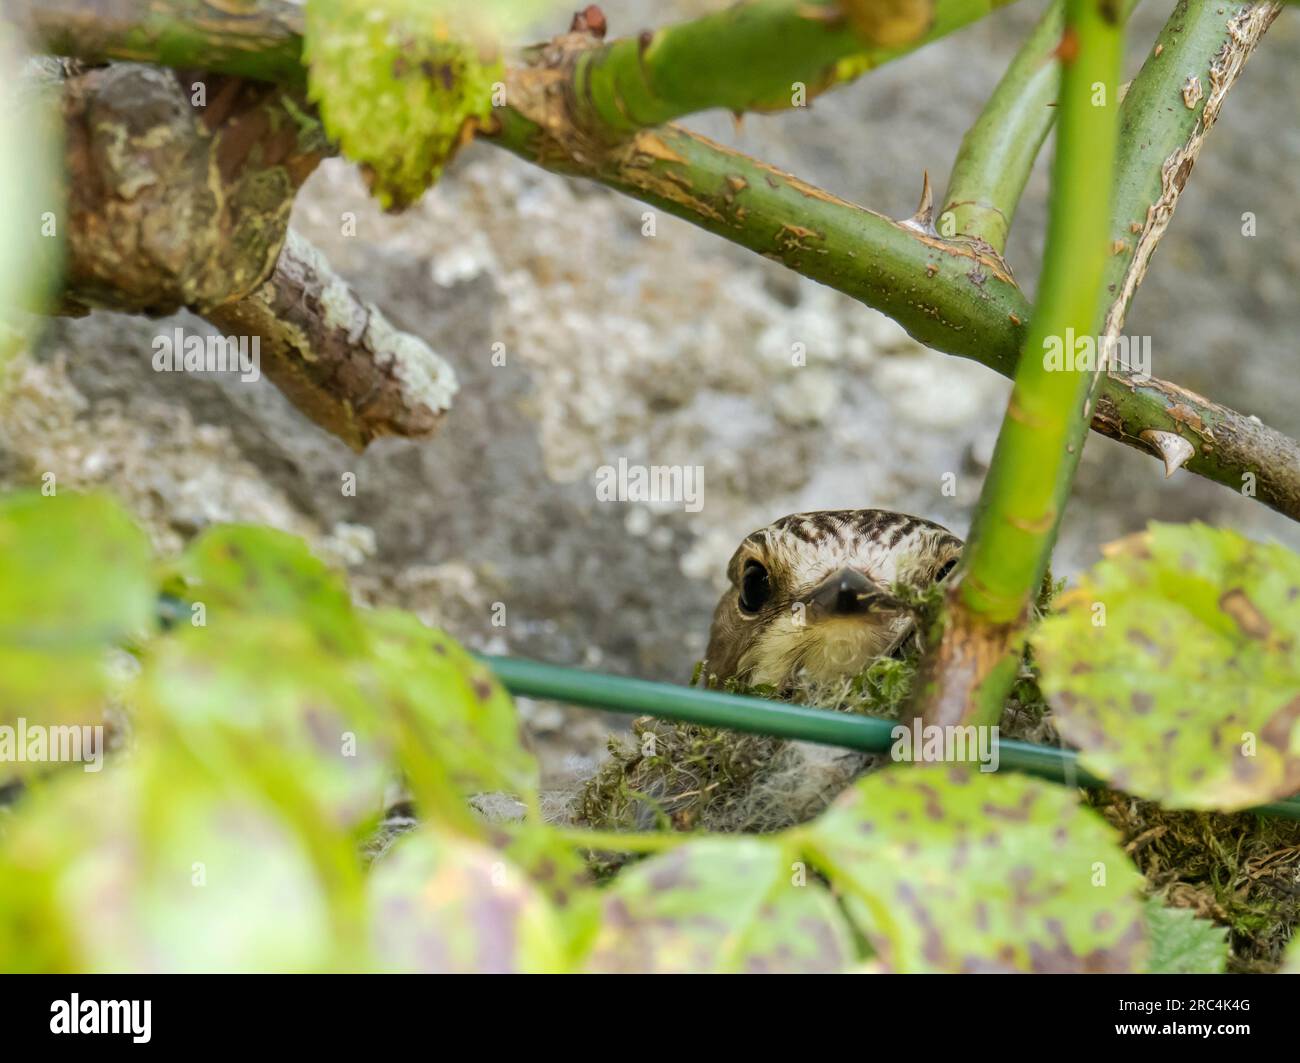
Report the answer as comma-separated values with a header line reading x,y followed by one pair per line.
x,y
671,349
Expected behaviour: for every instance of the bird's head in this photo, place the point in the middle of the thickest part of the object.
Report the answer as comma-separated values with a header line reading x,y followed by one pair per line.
x,y
812,594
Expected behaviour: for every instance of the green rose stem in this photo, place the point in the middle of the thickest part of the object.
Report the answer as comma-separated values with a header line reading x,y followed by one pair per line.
x,y
261,39
999,150
750,56
955,295
1168,110
949,295
1163,123
966,675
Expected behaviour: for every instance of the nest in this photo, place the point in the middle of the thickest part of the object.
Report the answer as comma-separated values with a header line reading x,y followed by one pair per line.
x,y
686,777
1240,870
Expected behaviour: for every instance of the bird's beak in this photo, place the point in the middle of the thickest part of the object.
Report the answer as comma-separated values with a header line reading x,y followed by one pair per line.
x,y
849,593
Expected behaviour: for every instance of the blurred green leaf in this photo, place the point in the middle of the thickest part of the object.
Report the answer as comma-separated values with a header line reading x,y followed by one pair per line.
x,y
450,712
1174,667
1291,958
74,571
441,904
285,662
1183,944
264,700
720,905
75,580
234,571
266,729
142,869
560,872
945,869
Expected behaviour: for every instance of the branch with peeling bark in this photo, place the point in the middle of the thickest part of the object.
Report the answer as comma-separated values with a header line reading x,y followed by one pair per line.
x,y
953,295
171,206
335,356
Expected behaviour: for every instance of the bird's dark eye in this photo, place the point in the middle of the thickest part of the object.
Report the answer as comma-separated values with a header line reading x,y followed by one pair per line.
x,y
755,587
944,569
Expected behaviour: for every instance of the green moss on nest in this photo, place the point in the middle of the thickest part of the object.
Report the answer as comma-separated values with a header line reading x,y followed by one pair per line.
x,y
1240,870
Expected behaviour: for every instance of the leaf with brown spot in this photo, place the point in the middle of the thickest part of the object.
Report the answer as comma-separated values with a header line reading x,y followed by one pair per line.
x,y
720,905
450,713
262,701
399,82
965,872
243,571
1192,694
284,662
439,904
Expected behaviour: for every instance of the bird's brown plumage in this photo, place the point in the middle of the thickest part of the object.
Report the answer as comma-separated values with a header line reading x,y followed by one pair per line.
x,y
812,594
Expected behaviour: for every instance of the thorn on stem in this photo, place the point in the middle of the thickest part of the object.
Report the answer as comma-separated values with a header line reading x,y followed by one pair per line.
x,y
1173,449
923,219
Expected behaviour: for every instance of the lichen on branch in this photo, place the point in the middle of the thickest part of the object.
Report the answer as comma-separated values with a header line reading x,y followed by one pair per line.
x,y
335,356
170,205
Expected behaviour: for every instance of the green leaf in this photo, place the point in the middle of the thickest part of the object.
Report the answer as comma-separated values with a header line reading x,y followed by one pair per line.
x,y
555,867
1183,944
441,904
945,869
264,700
1174,667
720,905
143,869
74,572
234,571
399,83
75,580
285,662
450,713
